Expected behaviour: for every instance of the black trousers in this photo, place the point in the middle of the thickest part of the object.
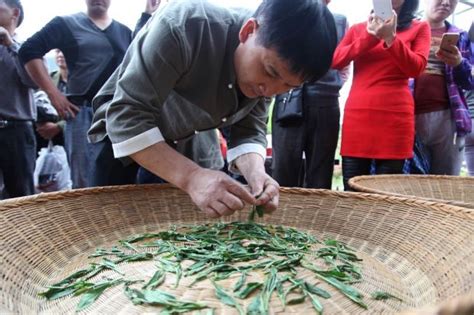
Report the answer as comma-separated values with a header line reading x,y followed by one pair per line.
x,y
17,158
109,171
316,136
352,167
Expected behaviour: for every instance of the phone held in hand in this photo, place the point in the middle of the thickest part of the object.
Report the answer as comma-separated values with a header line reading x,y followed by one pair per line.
x,y
448,41
383,9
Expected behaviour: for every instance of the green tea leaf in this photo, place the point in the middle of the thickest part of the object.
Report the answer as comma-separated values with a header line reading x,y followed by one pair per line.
x,y
248,289
381,295
316,290
241,282
316,304
226,298
94,292
155,281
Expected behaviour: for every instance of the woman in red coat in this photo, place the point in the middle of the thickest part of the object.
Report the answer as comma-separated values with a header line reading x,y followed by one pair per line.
x,y
378,125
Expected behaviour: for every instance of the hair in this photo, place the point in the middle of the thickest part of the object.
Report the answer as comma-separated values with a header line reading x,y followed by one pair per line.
x,y
407,14
302,32
15,4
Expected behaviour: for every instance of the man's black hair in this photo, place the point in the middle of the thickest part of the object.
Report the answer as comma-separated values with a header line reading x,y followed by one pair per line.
x,y
407,14
302,32
15,4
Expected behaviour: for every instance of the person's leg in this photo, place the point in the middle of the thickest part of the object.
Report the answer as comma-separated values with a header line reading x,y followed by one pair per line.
x,y
19,166
322,131
469,152
78,149
352,167
383,166
107,170
438,134
287,154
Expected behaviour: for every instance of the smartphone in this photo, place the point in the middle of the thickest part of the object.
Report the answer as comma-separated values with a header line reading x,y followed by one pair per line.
x,y
448,40
383,9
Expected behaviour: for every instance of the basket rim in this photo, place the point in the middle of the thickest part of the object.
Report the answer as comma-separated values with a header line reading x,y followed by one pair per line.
x,y
355,183
61,195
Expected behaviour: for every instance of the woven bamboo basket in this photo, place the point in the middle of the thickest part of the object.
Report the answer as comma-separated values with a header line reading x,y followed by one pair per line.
x,y
422,252
454,190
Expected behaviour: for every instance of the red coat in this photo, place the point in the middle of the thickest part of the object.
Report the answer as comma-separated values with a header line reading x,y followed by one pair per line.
x,y
379,113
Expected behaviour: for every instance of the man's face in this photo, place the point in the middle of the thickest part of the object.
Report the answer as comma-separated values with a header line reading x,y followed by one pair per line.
x,y
259,70
98,6
60,60
440,10
6,14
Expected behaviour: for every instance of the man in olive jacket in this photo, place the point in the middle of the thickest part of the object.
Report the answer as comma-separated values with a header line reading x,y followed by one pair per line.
x,y
198,66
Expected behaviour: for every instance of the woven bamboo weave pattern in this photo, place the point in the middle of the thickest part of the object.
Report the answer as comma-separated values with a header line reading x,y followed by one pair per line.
x,y
454,190
422,252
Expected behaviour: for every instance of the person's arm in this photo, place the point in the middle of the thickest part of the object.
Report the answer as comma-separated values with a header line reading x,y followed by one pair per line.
x,y
412,60
12,48
150,8
212,191
247,153
356,42
462,70
345,72
31,55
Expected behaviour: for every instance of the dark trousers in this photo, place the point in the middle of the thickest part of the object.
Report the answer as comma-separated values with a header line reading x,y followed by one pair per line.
x,y
316,136
352,167
109,171
17,158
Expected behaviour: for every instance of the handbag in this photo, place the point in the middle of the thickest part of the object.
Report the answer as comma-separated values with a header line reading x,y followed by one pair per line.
x,y
289,108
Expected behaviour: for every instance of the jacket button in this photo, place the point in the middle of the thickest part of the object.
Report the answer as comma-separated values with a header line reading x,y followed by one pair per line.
x,y
230,86
224,119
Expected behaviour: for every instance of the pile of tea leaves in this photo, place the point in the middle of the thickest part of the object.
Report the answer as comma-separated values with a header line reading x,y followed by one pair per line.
x,y
216,252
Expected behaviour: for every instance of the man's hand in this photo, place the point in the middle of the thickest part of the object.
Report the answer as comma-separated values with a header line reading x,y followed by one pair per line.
x,y
5,38
262,186
216,193
48,130
151,6
451,57
66,109
266,189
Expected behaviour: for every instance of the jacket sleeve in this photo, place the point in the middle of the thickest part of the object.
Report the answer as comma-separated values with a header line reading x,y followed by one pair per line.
x,y
20,70
52,35
462,74
153,64
356,42
412,60
249,134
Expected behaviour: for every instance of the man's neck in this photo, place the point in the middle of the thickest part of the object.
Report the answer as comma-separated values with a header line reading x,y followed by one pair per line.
x,y
102,20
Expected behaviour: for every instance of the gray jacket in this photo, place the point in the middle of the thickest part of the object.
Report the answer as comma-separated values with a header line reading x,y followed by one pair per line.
x,y
176,80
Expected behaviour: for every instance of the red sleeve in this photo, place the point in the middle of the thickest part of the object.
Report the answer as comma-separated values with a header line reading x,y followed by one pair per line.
x,y
412,61
356,42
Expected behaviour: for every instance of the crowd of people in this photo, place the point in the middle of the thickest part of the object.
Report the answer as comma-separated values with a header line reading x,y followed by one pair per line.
x,y
157,104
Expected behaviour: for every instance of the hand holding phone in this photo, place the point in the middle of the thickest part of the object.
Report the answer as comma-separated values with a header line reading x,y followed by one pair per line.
x,y
448,52
383,9
449,41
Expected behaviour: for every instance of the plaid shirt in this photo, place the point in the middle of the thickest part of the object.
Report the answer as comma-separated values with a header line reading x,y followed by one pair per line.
x,y
457,79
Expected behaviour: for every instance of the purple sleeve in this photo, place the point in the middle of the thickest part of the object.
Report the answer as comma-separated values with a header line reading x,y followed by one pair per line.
x,y
462,73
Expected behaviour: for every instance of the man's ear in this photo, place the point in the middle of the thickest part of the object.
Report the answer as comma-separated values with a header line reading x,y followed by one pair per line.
x,y
16,14
249,28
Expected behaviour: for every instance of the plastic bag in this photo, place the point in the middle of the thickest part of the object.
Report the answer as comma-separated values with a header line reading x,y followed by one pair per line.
x,y
52,171
45,110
